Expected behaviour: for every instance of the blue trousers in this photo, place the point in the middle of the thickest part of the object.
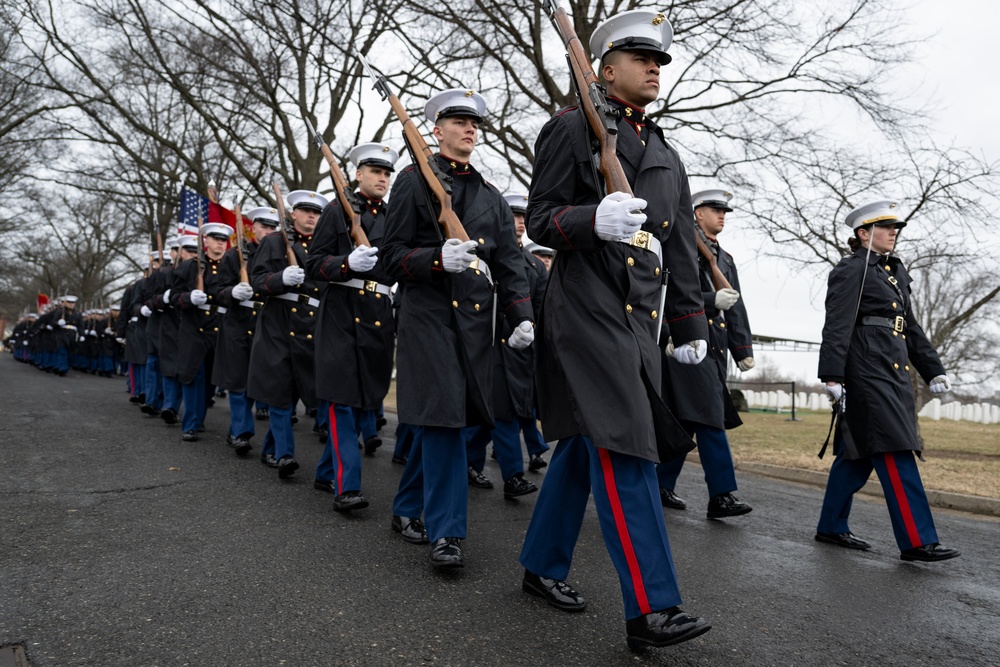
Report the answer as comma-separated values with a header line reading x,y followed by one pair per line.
x,y
532,436
435,481
171,394
153,382
404,442
240,415
506,439
627,498
280,430
716,461
60,360
195,402
341,460
909,511
136,375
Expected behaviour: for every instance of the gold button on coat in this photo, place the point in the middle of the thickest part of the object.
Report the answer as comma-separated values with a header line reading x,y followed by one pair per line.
x,y
476,307
665,223
893,304
895,365
628,308
357,320
309,336
377,323
631,262
653,314
291,333
454,304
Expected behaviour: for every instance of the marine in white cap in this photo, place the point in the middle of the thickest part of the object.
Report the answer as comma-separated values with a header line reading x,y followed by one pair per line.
x,y
870,340
605,291
700,398
447,319
354,352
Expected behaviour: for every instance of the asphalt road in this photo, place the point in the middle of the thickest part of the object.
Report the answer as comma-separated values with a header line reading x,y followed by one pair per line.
x,y
123,545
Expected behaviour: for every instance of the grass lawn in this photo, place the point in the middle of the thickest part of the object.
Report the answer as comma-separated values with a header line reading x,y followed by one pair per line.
x,y
961,457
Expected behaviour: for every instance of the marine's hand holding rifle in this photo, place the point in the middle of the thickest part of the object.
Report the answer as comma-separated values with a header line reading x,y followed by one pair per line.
x,y
348,201
726,297
457,255
619,216
362,259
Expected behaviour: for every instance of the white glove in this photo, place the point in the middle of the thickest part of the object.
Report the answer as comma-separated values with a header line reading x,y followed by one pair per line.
x,y
457,255
619,216
25,342
242,291
746,364
198,297
940,385
166,296
691,353
61,322
146,312
49,327
725,298
835,391
362,259
120,341
80,339
92,332
522,336
109,331
293,275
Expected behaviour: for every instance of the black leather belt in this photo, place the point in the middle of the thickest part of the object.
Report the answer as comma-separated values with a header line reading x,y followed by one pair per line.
x,y
897,323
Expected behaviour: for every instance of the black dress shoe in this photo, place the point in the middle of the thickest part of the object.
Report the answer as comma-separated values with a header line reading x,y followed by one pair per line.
x,y
664,628
242,446
371,444
190,436
262,414
329,487
131,399
169,416
846,540
287,466
518,486
670,499
478,479
401,460
322,435
411,530
557,593
349,500
726,504
536,462
148,409
269,460
929,553
447,553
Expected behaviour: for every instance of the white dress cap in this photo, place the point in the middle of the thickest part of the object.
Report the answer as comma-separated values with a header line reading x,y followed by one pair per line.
x,y
455,102
189,242
69,298
217,230
634,30
880,211
265,215
517,202
376,155
311,201
173,242
716,198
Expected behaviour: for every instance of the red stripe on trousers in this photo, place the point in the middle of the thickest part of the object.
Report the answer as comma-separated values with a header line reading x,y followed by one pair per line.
x,y
336,448
623,536
131,377
904,504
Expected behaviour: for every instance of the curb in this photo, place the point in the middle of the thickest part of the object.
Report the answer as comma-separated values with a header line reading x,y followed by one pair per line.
x,y
944,499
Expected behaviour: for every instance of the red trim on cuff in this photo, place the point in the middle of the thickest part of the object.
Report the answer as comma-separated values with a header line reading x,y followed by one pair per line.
x,y
684,317
555,219
403,263
514,303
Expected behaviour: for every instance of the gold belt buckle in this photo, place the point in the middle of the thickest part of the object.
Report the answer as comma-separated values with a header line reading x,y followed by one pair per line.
x,y
370,285
897,325
642,240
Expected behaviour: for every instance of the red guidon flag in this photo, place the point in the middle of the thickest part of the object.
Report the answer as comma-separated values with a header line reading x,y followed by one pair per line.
x,y
43,300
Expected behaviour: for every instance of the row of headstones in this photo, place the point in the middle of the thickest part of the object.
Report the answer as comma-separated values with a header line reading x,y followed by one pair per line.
x,y
982,413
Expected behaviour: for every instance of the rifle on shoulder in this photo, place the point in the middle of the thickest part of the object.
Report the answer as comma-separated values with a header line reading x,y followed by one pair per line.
x,y
289,253
438,182
241,245
348,201
199,280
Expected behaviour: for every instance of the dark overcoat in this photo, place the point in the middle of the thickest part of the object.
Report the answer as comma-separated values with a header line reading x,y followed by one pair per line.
x,y
136,345
599,367
356,330
232,354
155,286
282,364
198,329
170,321
697,393
444,362
873,361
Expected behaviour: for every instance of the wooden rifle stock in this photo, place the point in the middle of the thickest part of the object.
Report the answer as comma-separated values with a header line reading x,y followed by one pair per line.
x,y
595,107
239,245
348,202
289,253
424,157
718,279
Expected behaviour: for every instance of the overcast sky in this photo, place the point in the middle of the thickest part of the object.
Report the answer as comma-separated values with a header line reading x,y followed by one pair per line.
x,y
956,73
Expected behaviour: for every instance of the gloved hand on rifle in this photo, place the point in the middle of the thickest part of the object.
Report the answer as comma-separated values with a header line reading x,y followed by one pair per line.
x,y
146,312
362,259
940,384
746,364
619,216
688,353
198,297
61,322
834,390
726,297
242,292
456,256
522,336
293,275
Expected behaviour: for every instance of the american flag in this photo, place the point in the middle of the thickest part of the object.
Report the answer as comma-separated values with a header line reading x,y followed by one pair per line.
x,y
193,205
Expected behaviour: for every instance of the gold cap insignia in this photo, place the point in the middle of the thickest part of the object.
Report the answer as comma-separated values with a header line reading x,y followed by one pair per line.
x,y
610,44
386,149
658,19
470,93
